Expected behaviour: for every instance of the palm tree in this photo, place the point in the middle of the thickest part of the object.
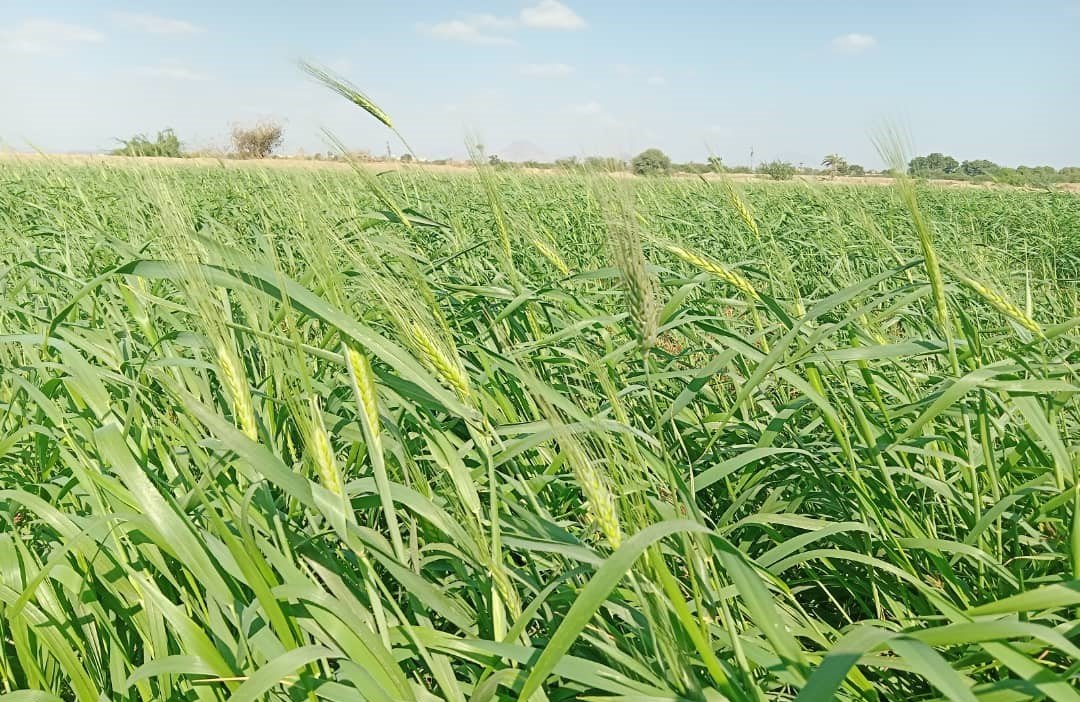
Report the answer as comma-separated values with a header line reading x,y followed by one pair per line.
x,y
835,163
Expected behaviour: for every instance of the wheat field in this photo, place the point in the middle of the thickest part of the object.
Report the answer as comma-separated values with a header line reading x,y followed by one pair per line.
x,y
294,434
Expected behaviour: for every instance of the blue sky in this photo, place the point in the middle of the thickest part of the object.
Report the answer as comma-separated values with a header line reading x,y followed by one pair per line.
x,y
791,80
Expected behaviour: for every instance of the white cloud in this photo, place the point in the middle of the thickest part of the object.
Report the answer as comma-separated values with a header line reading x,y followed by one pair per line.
x,y
551,14
491,22
588,109
493,30
656,79
476,29
46,36
153,24
170,72
854,43
545,70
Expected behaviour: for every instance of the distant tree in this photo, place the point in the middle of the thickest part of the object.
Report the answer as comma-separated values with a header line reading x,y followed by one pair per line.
x,y
406,158
980,167
932,165
494,160
778,170
258,141
835,164
1037,170
1070,174
855,169
1009,176
920,165
1037,175
567,163
950,165
716,163
651,162
166,144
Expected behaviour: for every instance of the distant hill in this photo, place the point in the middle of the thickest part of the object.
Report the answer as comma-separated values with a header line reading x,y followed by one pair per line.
x,y
519,151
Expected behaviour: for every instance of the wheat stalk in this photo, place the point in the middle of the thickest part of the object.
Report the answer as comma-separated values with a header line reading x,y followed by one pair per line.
x,y
449,369
996,300
347,90
598,496
322,451
733,278
638,285
232,377
363,382
551,255
362,376
743,209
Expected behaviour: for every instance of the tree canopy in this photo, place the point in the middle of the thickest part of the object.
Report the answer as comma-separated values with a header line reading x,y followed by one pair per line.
x,y
651,162
933,164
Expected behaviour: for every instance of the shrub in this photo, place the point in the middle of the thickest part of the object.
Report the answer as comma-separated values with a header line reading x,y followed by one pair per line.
x,y
167,144
651,162
777,170
406,158
606,164
258,141
567,163
855,169
692,167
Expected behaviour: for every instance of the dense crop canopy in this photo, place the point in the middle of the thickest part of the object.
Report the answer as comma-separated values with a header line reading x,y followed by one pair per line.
x,y
299,434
